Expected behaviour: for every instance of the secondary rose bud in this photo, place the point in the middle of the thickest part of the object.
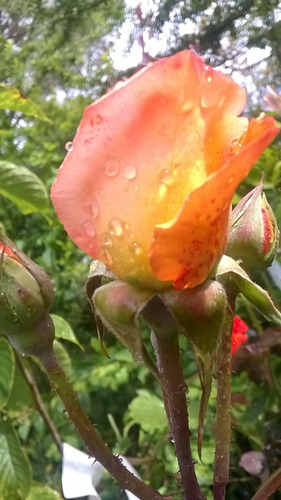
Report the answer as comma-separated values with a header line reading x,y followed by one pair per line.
x,y
253,238
26,295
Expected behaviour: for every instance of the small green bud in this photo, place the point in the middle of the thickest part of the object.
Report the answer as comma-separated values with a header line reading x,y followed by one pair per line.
x,y
26,295
254,234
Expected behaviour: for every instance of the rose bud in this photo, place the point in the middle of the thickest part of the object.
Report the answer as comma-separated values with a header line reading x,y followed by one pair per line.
x,y
254,235
26,294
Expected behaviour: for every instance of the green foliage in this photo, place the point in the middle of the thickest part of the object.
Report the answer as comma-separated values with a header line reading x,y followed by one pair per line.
x,y
43,492
64,331
7,370
15,470
147,411
23,188
13,100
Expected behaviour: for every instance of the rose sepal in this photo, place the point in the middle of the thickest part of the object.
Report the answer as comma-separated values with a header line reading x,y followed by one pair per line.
x,y
231,275
117,305
199,314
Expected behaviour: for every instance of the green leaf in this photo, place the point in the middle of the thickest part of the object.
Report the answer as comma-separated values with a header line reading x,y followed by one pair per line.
x,y
64,331
147,410
63,357
7,371
11,99
23,188
43,492
228,271
20,396
15,470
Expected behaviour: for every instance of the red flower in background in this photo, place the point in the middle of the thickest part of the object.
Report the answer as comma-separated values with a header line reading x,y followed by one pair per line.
x,y
147,187
238,333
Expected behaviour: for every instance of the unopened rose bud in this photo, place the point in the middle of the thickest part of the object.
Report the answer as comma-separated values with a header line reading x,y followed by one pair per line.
x,y
254,234
26,295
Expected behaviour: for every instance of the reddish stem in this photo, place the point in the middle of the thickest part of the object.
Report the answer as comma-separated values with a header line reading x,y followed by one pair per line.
x,y
269,487
223,424
174,392
91,438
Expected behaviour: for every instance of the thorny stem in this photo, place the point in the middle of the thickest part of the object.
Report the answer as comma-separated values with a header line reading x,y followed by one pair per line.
x,y
91,438
174,392
223,413
39,403
269,487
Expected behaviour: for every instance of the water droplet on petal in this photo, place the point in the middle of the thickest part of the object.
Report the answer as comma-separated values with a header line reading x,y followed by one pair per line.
x,y
115,227
129,172
95,207
105,256
69,146
135,248
107,240
166,177
111,167
88,228
162,191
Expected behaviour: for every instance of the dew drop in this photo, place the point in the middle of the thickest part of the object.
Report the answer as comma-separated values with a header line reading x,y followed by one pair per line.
x,y
69,146
88,228
129,172
95,207
162,191
111,167
107,240
135,248
115,227
166,177
105,256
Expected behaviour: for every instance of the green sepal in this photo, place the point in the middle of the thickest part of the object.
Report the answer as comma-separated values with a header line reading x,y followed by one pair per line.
x,y
118,304
98,275
229,273
199,313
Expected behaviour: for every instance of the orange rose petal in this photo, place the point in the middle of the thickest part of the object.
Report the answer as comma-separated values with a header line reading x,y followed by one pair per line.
x,y
185,250
137,154
141,157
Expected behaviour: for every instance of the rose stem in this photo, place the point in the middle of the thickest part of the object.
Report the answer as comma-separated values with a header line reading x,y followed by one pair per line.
x,y
223,407
174,392
39,403
91,438
269,487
